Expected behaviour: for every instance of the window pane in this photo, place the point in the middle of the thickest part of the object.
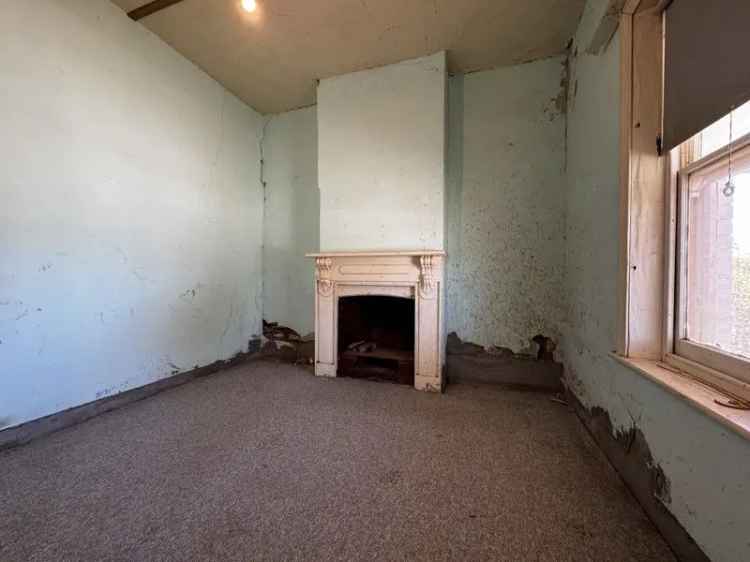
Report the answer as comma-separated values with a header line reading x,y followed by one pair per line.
x,y
718,260
715,136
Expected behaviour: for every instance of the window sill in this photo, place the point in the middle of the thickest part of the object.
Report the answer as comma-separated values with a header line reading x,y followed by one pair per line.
x,y
699,396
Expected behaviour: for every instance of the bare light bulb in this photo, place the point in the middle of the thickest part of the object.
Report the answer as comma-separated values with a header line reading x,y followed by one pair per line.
x,y
249,5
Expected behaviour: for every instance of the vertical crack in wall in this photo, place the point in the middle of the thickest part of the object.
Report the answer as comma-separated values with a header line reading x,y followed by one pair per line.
x,y
262,177
564,98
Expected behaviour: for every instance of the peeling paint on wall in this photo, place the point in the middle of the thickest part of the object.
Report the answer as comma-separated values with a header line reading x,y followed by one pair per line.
x,y
706,466
506,204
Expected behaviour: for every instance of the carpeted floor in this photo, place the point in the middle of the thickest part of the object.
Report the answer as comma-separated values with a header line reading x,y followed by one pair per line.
x,y
267,462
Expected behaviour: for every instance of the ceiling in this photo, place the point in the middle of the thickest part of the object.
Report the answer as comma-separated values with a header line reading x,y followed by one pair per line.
x,y
272,57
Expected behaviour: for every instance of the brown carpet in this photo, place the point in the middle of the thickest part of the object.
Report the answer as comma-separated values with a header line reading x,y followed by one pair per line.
x,y
267,462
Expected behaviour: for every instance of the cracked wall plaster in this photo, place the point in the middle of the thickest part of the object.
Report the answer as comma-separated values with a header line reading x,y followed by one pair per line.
x,y
131,214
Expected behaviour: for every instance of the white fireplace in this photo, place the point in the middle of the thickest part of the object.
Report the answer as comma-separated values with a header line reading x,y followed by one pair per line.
x,y
416,275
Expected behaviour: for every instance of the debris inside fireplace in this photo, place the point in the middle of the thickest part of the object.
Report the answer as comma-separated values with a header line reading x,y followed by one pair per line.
x,y
376,338
362,346
288,345
381,364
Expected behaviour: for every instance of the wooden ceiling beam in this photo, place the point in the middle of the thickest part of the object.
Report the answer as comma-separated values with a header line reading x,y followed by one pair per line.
x,y
151,8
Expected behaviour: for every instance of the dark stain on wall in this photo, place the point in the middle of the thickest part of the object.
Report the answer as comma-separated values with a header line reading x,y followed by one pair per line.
x,y
629,453
470,362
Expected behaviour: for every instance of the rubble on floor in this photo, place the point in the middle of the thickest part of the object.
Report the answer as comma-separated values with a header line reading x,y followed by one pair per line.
x,y
465,361
469,362
287,344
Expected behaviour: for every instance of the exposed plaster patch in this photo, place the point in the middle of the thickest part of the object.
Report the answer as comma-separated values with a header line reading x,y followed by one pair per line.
x,y
540,348
469,362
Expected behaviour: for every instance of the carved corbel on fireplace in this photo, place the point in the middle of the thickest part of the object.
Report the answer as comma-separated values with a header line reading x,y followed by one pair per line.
x,y
323,276
427,277
416,275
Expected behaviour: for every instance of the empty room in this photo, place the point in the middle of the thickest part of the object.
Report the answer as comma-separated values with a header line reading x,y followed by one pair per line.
x,y
374,280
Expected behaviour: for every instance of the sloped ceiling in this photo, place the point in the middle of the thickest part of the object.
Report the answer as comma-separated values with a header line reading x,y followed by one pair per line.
x,y
272,57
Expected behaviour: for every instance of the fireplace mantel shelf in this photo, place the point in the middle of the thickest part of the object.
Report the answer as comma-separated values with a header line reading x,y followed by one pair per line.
x,y
376,254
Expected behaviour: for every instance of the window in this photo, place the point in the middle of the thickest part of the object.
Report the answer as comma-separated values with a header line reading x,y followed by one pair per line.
x,y
712,254
684,275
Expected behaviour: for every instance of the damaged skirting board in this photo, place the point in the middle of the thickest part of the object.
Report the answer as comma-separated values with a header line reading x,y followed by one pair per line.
x,y
24,433
630,455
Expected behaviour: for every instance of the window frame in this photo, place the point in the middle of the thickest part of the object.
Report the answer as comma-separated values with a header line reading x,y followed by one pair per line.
x,y
699,359
647,275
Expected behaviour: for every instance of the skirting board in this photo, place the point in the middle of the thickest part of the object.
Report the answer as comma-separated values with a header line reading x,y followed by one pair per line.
x,y
26,432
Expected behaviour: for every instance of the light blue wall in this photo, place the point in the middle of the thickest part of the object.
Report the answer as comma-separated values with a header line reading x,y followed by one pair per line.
x,y
131,225
707,465
504,206
291,225
130,210
381,157
506,203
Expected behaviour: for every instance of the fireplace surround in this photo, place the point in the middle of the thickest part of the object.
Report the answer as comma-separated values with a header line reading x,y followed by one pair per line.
x,y
416,275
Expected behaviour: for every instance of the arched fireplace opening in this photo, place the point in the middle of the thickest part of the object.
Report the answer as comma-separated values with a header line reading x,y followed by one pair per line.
x,y
376,338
